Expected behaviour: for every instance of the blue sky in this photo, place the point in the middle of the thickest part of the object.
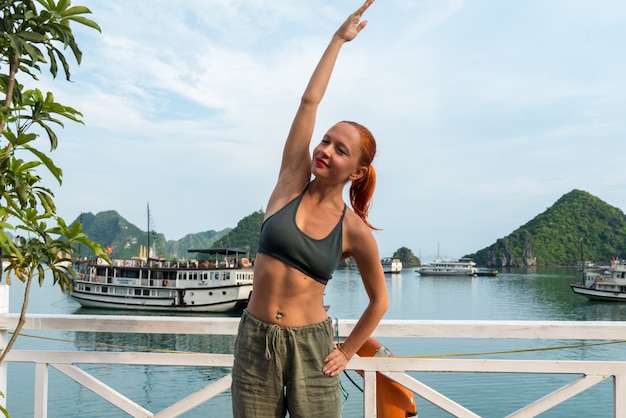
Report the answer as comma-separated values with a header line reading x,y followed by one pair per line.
x,y
485,112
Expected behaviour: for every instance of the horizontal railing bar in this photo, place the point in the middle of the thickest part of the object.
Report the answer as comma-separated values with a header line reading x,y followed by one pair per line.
x,y
380,364
396,364
124,324
121,357
470,329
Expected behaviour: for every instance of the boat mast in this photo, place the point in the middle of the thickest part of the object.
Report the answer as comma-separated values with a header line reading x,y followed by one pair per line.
x,y
148,218
582,256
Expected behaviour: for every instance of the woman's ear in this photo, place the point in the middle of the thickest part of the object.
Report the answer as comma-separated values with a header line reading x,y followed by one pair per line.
x,y
358,173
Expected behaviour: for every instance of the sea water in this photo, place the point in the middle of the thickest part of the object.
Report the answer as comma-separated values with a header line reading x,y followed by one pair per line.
x,y
537,294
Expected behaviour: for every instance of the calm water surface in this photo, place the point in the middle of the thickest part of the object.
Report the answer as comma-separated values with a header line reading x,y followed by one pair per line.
x,y
539,294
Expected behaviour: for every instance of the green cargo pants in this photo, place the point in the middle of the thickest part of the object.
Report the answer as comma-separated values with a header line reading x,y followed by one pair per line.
x,y
279,370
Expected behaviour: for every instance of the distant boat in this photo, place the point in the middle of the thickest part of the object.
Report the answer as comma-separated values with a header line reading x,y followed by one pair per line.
x,y
391,265
584,265
605,286
218,280
484,271
460,267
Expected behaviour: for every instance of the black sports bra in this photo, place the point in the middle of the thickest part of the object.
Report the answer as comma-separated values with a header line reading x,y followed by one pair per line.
x,y
282,239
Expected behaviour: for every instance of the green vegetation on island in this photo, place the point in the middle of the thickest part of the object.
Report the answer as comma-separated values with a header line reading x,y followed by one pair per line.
x,y
579,225
407,257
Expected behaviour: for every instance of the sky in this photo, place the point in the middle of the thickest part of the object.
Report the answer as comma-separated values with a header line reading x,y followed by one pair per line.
x,y
485,112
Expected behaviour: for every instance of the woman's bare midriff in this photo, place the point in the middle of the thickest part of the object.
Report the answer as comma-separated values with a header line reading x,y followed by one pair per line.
x,y
284,295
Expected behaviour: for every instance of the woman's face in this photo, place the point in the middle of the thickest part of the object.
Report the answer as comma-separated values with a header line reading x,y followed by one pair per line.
x,y
337,156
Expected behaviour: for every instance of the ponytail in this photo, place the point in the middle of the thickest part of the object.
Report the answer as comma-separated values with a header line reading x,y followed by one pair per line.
x,y
362,189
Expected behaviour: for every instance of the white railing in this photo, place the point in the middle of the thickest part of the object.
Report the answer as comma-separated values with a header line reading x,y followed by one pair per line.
x,y
585,374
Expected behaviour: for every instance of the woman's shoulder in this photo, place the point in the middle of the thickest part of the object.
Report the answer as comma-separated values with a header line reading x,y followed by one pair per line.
x,y
354,225
359,241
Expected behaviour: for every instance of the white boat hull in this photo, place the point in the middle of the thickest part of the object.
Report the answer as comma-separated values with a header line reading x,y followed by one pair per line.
x,y
391,265
445,273
461,267
199,300
600,295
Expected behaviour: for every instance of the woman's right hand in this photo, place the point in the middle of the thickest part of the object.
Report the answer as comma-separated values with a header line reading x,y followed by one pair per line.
x,y
353,24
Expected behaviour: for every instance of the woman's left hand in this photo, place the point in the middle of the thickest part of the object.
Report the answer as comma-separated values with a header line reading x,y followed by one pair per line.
x,y
335,362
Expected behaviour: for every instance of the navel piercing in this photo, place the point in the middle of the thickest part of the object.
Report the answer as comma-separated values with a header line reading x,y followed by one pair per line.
x,y
279,314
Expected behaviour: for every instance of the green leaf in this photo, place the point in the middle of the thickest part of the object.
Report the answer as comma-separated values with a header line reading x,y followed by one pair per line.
x,y
87,22
16,43
53,169
76,10
48,5
31,36
61,32
62,5
23,139
33,52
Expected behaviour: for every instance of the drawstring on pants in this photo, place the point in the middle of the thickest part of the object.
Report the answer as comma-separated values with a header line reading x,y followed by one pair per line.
x,y
275,340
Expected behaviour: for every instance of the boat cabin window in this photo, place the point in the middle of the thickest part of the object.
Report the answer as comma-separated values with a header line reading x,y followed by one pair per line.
x,y
193,276
129,274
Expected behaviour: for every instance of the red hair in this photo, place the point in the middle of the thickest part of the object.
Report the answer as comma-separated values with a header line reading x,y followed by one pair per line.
x,y
362,189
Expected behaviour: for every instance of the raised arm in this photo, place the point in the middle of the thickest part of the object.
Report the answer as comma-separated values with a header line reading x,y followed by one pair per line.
x,y
295,168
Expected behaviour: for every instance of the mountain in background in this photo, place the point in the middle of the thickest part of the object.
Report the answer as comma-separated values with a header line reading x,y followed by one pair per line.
x,y
125,239
579,226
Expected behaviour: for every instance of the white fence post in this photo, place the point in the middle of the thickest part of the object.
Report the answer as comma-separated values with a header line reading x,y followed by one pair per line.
x,y
4,340
619,392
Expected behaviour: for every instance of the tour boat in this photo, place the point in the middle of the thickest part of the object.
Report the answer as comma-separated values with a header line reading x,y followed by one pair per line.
x,y
217,280
391,265
609,286
460,267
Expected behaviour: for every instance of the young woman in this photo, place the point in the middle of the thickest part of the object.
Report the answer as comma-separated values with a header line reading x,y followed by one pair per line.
x,y
285,356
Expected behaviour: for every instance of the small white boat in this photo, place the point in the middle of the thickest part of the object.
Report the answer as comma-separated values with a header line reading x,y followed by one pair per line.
x,y
218,280
485,271
609,286
391,265
460,267
584,265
